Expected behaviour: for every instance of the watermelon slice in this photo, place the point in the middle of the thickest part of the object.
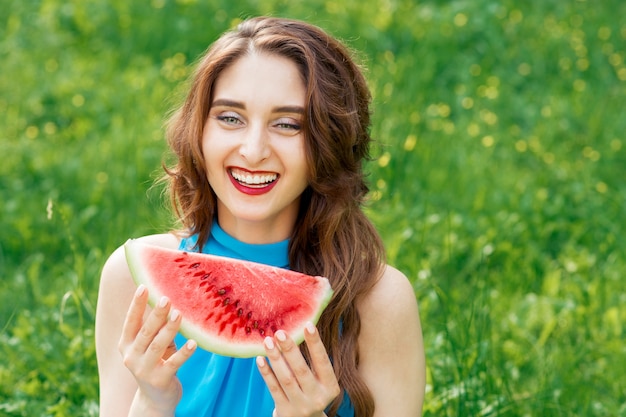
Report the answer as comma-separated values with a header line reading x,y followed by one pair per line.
x,y
229,306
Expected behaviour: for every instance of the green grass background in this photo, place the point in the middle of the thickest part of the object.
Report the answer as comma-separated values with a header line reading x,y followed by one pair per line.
x,y
499,184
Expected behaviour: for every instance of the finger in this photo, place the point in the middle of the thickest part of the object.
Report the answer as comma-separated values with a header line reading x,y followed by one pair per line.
x,y
283,372
295,361
158,348
134,316
171,349
276,391
320,362
178,358
153,324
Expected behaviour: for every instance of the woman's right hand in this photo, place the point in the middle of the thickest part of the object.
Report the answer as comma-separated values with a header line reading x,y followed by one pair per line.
x,y
148,351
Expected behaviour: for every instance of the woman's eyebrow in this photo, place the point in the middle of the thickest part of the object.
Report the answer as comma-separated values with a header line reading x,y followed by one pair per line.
x,y
228,103
289,109
239,105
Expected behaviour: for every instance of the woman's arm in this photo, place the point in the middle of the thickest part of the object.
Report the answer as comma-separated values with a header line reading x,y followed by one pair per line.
x,y
124,323
391,347
117,384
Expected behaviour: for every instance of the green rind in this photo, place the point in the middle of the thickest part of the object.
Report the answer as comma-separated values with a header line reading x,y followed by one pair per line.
x,y
131,250
190,331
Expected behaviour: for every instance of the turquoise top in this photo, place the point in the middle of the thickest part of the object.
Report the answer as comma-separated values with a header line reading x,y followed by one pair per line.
x,y
221,386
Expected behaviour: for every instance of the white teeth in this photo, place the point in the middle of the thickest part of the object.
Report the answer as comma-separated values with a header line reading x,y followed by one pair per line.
x,y
254,179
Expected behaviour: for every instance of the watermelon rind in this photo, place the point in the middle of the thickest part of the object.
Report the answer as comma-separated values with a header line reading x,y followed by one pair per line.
x,y
134,250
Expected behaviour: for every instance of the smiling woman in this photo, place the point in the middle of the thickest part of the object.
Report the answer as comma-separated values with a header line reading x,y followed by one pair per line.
x,y
253,141
269,148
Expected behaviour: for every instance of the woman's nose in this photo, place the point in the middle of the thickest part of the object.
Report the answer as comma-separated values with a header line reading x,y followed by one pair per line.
x,y
255,147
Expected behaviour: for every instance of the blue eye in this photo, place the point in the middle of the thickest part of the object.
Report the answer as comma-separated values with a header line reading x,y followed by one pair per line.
x,y
288,124
229,119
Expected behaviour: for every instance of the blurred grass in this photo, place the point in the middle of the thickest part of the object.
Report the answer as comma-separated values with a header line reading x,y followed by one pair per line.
x,y
499,185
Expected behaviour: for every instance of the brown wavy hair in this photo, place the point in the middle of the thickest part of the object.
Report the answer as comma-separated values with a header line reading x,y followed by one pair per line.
x,y
332,236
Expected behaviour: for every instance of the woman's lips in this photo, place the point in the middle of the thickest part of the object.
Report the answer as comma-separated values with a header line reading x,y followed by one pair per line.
x,y
253,183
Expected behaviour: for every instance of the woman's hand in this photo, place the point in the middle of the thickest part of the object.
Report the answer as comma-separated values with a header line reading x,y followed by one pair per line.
x,y
149,353
297,389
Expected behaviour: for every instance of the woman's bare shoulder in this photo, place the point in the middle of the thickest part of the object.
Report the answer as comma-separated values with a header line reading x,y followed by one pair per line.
x,y
392,294
116,269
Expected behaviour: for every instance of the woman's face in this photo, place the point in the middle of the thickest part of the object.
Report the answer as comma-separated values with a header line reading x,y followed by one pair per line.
x,y
253,147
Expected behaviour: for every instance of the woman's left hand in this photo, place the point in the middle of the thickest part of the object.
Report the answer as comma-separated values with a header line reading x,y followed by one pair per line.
x,y
297,389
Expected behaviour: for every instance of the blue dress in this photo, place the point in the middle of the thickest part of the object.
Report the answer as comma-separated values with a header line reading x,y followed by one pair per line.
x,y
221,386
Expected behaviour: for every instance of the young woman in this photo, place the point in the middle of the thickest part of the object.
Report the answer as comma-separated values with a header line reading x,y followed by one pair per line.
x,y
270,144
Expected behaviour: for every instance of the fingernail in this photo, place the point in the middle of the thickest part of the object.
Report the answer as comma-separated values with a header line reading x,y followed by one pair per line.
x,y
260,361
310,327
191,344
140,290
163,302
269,343
175,315
281,336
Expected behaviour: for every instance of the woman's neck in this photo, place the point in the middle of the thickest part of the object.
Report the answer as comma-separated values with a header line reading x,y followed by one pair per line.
x,y
255,232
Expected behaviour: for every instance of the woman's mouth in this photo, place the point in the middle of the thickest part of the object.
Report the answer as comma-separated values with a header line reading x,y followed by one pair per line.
x,y
253,182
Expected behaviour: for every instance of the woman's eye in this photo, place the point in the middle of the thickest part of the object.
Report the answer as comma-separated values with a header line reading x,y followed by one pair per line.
x,y
229,119
287,125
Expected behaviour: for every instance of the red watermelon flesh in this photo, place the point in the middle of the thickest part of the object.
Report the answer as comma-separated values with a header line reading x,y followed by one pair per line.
x,y
229,306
